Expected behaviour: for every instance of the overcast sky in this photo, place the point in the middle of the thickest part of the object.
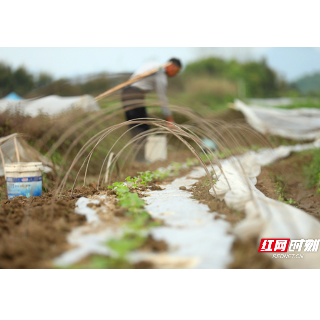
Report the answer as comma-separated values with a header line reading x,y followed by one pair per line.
x,y
291,63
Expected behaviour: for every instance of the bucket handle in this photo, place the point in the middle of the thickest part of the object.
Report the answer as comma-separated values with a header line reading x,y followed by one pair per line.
x,y
3,163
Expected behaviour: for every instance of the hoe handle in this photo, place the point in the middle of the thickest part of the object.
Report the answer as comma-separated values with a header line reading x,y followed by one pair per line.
x,y
135,79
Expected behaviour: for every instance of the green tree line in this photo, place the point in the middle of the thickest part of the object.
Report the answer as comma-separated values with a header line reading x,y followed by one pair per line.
x,y
29,85
255,78
20,80
259,79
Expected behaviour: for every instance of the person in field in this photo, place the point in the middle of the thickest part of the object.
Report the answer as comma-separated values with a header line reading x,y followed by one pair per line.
x,y
132,97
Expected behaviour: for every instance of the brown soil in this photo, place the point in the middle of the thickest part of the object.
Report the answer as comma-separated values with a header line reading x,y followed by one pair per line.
x,y
179,155
154,245
33,231
150,245
288,173
245,254
200,191
228,115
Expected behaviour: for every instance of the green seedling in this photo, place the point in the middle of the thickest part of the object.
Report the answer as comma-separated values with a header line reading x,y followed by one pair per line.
x,y
139,218
189,162
131,202
206,157
100,262
133,182
128,242
280,192
160,175
290,201
176,166
122,191
206,183
312,170
141,221
117,184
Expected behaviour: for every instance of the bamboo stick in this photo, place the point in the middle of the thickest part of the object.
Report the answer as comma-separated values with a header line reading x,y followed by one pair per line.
x,y
5,154
3,163
108,166
4,139
135,79
16,147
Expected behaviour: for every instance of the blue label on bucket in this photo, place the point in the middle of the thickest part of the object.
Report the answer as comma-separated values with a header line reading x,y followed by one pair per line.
x,y
26,186
24,179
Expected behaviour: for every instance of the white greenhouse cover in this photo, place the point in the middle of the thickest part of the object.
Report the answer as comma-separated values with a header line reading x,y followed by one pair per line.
x,y
265,217
9,148
298,124
276,102
50,105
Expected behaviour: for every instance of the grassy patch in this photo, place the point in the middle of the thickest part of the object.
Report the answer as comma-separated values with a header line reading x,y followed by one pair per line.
x,y
280,191
303,103
312,170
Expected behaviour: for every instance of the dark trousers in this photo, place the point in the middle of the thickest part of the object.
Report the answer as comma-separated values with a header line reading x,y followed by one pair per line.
x,y
129,96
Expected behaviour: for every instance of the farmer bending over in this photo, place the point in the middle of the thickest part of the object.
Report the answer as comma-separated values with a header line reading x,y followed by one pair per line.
x,y
136,91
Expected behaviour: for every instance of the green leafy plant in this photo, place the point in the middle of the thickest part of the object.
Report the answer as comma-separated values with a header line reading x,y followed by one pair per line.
x,y
280,192
133,182
312,171
134,209
128,242
176,166
290,201
206,183
131,202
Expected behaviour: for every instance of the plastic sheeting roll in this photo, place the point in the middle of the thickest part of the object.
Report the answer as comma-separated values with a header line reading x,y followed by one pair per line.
x,y
298,124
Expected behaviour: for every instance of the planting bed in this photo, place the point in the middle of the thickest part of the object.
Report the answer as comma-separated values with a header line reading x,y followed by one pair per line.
x,y
34,233
286,178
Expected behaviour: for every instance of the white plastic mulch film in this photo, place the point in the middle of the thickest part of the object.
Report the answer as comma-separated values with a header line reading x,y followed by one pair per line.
x,y
265,217
50,105
298,124
194,237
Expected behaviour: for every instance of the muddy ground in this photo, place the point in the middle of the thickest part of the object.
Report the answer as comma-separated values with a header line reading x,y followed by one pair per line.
x,y
33,231
289,174
245,254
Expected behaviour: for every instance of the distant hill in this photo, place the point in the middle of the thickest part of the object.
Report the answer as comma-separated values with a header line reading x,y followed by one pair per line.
x,y
308,84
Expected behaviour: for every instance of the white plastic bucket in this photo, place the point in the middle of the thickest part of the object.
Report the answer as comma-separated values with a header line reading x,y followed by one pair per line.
x,y
156,148
24,179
